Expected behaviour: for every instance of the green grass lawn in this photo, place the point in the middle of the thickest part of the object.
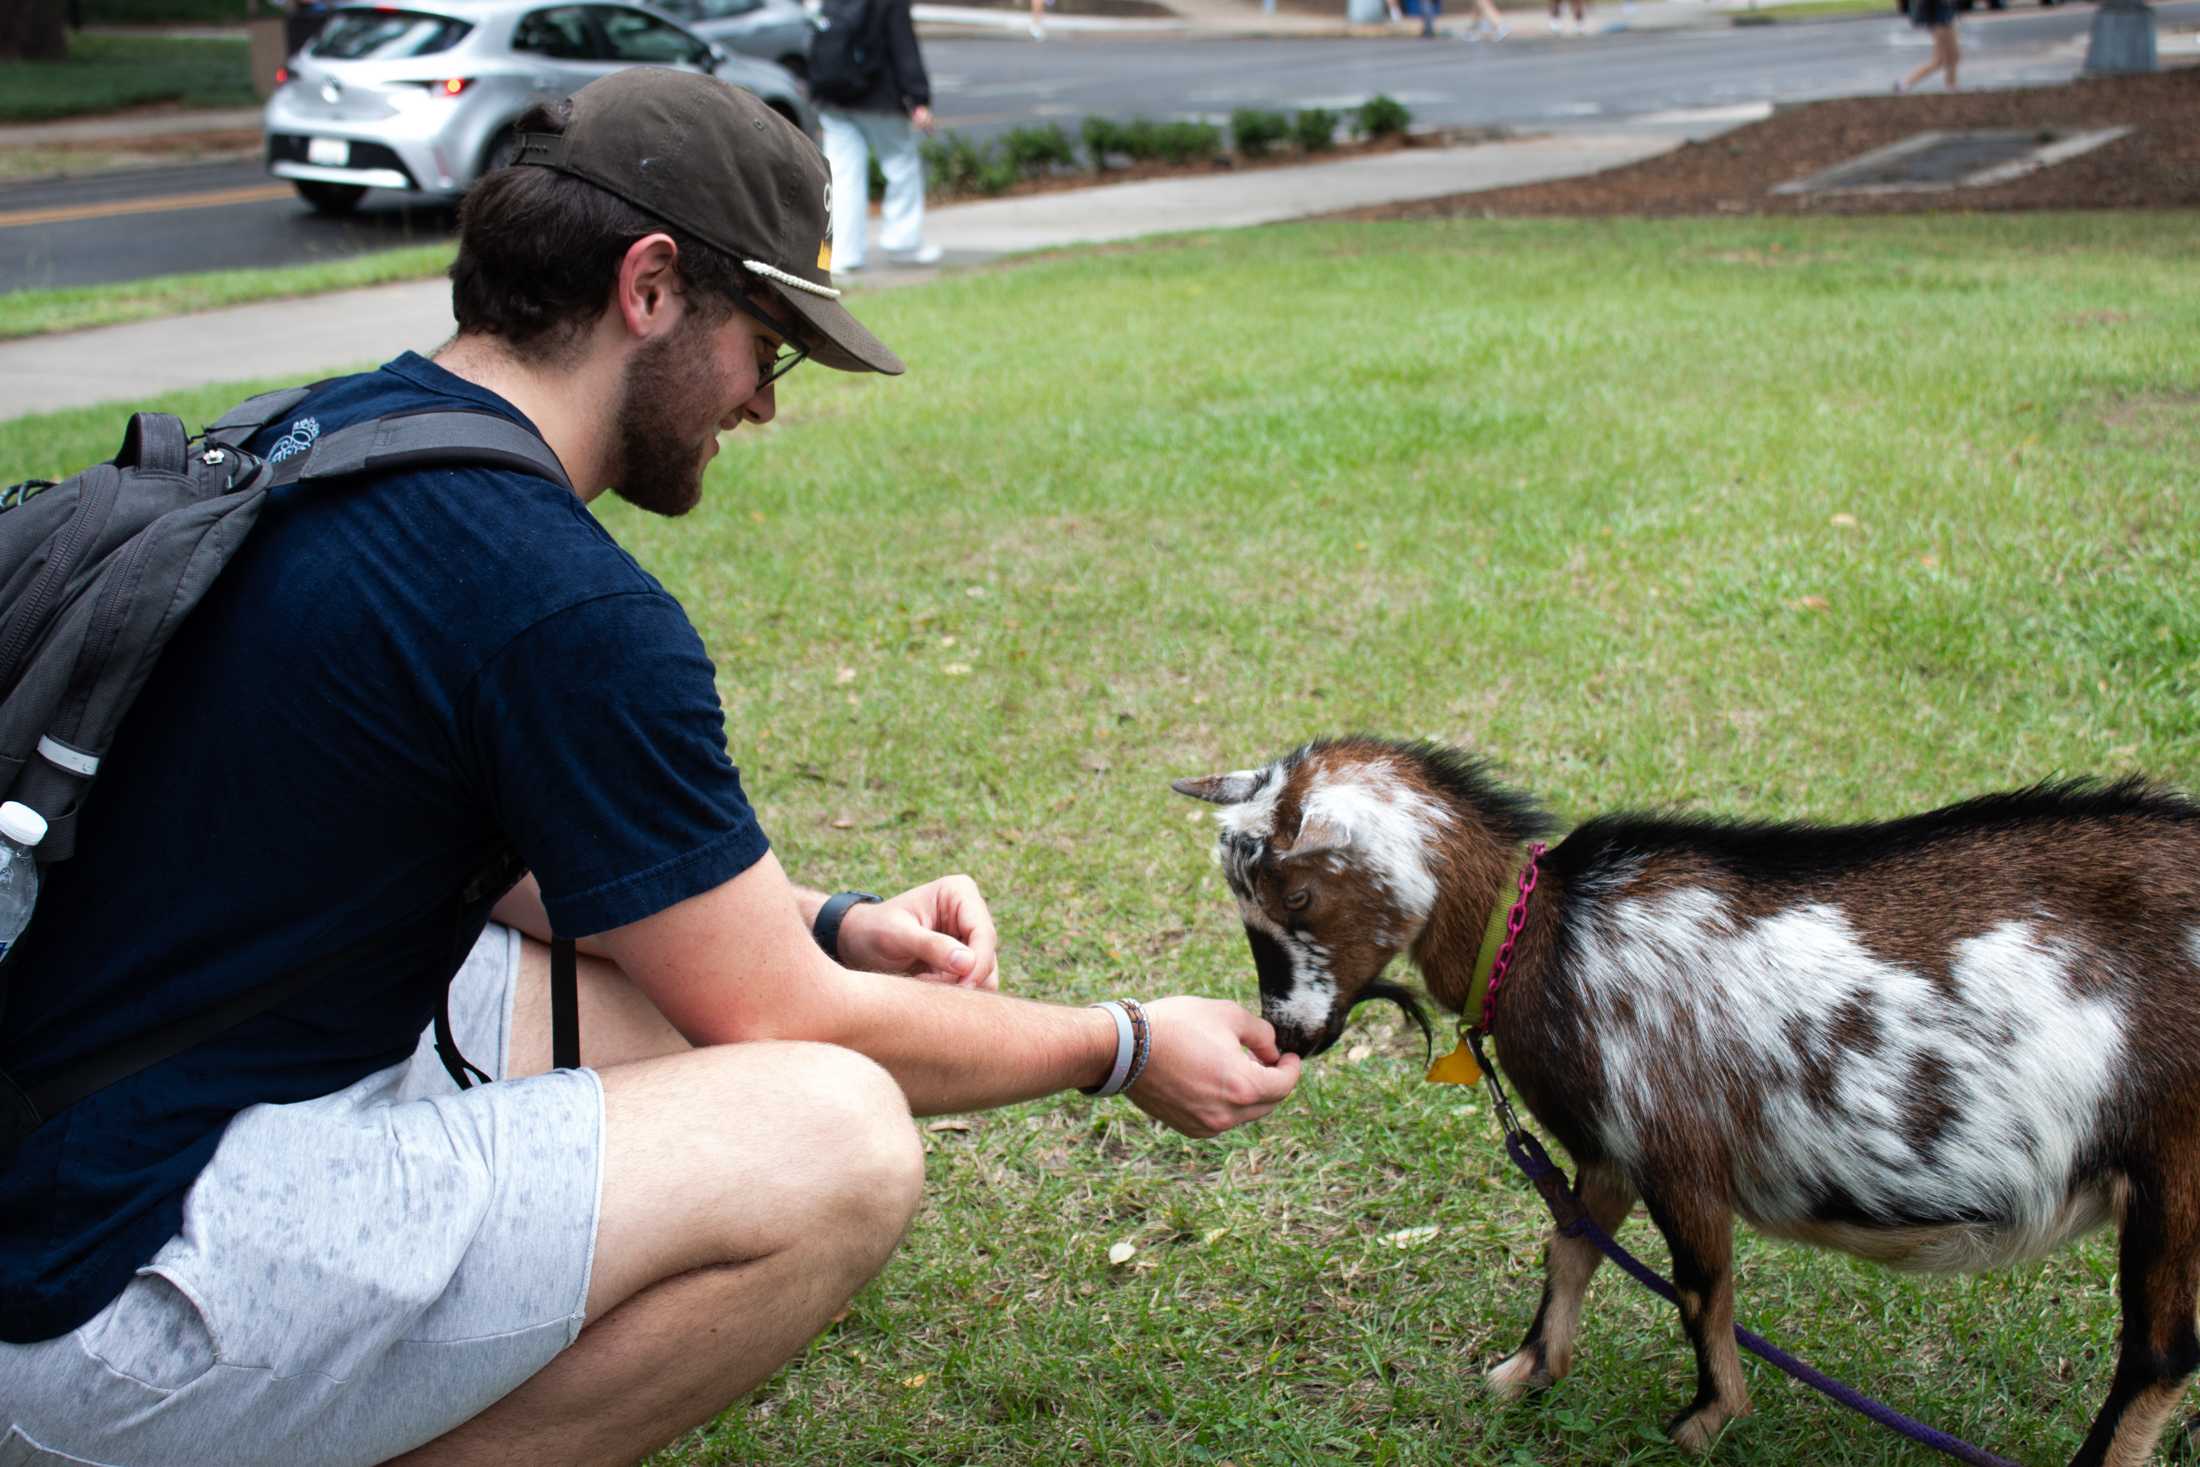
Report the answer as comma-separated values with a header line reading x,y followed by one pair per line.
x,y
105,73
76,307
1824,519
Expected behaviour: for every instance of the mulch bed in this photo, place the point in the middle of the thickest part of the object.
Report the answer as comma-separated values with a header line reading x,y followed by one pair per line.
x,y
2157,166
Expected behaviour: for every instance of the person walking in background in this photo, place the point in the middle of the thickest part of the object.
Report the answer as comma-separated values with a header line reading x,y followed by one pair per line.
x,y
873,97
1938,18
1039,19
1488,24
1579,25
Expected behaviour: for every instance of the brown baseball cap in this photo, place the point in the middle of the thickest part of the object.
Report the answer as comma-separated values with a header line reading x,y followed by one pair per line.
x,y
712,159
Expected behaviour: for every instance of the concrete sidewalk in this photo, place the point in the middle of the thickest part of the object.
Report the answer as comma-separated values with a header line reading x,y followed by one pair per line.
x,y
140,362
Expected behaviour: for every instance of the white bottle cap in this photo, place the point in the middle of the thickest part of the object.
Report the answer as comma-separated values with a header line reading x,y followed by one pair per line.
x,y
21,824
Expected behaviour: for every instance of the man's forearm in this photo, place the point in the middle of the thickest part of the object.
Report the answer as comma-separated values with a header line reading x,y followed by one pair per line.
x,y
954,1049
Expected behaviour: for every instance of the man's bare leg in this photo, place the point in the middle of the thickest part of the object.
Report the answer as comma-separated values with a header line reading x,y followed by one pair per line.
x,y
749,1191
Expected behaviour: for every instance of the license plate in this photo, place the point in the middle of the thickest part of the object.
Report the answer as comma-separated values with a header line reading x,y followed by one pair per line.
x,y
328,152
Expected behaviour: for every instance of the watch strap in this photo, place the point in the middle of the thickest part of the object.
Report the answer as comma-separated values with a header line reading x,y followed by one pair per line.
x,y
826,929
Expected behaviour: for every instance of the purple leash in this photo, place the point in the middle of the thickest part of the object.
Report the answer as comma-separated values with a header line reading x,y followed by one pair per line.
x,y
1573,1221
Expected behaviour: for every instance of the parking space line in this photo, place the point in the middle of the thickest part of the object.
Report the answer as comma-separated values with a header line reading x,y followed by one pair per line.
x,y
76,213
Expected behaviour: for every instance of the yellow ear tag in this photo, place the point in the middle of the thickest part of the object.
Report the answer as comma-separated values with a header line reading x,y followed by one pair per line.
x,y
1456,1068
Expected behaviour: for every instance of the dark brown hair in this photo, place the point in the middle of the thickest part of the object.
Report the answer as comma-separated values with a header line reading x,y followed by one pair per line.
x,y
538,251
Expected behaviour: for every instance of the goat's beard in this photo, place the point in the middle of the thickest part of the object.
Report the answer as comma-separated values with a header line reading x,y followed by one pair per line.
x,y
1408,1003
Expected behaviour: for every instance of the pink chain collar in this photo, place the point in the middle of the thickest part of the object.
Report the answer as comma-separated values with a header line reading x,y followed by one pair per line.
x,y
1516,919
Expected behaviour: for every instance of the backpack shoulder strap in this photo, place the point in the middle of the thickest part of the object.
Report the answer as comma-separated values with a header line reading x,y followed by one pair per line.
x,y
232,428
415,440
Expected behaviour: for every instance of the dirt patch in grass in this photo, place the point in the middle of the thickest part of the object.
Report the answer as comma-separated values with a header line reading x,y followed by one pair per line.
x,y
2156,166
2156,418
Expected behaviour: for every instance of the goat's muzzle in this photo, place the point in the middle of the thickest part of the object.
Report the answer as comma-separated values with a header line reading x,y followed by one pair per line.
x,y
1308,1043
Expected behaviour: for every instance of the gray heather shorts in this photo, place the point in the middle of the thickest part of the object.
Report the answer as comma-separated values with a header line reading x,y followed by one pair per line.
x,y
356,1274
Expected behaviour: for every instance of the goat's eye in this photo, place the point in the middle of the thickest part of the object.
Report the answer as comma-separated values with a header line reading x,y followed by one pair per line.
x,y
1295,901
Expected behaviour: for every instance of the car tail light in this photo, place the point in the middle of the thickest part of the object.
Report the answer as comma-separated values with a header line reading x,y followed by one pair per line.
x,y
451,86
282,75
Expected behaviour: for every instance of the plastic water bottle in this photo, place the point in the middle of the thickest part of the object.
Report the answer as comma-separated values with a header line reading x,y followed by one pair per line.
x,y
21,829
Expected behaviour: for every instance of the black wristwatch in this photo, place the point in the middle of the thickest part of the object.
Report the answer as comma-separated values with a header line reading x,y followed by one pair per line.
x,y
826,929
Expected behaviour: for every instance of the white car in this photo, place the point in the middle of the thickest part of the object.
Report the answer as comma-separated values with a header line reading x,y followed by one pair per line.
x,y
774,30
421,97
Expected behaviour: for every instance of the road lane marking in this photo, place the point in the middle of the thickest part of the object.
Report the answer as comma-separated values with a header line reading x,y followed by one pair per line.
x,y
258,193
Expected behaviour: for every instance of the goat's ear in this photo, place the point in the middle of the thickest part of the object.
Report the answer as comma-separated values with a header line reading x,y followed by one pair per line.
x,y
1221,789
1316,837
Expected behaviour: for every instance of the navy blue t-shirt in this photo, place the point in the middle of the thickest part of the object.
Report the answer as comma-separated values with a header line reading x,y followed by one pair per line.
x,y
392,681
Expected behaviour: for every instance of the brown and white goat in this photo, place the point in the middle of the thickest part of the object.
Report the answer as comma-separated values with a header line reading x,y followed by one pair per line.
x,y
1945,1042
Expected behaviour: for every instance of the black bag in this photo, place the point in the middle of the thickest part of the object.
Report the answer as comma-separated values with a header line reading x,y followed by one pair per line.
x,y
97,572
848,53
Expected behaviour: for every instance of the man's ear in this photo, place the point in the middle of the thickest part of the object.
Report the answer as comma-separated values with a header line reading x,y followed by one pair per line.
x,y
646,293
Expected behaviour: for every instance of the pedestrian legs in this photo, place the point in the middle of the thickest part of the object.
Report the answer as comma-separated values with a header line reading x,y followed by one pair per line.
x,y
1944,58
852,139
849,158
901,222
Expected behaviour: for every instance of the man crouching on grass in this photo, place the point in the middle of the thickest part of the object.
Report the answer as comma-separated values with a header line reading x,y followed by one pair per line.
x,y
301,1241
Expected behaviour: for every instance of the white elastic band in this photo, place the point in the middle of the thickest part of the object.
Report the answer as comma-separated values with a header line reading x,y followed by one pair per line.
x,y
1125,1047
53,751
792,282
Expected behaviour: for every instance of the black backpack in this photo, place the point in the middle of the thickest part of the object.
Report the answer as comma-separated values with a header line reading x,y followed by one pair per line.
x,y
97,572
848,53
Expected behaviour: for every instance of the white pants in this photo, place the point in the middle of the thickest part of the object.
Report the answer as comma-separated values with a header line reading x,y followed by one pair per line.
x,y
850,140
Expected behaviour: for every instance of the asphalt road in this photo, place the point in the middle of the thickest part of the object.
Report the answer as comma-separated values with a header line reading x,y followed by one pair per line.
x,y
118,227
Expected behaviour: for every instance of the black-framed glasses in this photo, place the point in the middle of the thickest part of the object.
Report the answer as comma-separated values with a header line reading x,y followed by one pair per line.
x,y
789,354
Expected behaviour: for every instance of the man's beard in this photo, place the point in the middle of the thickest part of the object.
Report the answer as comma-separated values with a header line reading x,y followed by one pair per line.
x,y
669,384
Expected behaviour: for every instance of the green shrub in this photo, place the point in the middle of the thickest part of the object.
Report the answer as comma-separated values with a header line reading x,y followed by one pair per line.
x,y
955,165
933,154
1382,117
169,12
997,172
1102,137
874,180
1316,129
1036,149
952,163
1257,132
105,73
1187,142
1139,139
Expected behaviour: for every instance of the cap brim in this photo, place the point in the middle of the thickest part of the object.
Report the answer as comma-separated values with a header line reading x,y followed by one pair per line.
x,y
837,339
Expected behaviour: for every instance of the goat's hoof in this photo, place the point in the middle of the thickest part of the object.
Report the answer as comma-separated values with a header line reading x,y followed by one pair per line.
x,y
1697,1431
1517,1374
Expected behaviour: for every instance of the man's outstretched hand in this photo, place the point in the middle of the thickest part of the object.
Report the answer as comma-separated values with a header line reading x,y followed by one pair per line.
x,y
1214,1066
939,932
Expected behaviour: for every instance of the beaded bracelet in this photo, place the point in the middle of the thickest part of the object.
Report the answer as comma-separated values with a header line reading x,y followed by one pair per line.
x,y
1142,1032
1133,1047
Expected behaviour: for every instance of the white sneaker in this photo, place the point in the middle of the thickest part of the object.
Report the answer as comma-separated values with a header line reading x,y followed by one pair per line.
x,y
1561,26
1038,31
928,254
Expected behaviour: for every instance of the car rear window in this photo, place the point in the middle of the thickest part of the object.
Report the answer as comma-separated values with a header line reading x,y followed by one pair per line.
x,y
386,35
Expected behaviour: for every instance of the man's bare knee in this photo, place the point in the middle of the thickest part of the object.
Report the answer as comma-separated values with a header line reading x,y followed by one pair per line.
x,y
855,1115
736,1153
